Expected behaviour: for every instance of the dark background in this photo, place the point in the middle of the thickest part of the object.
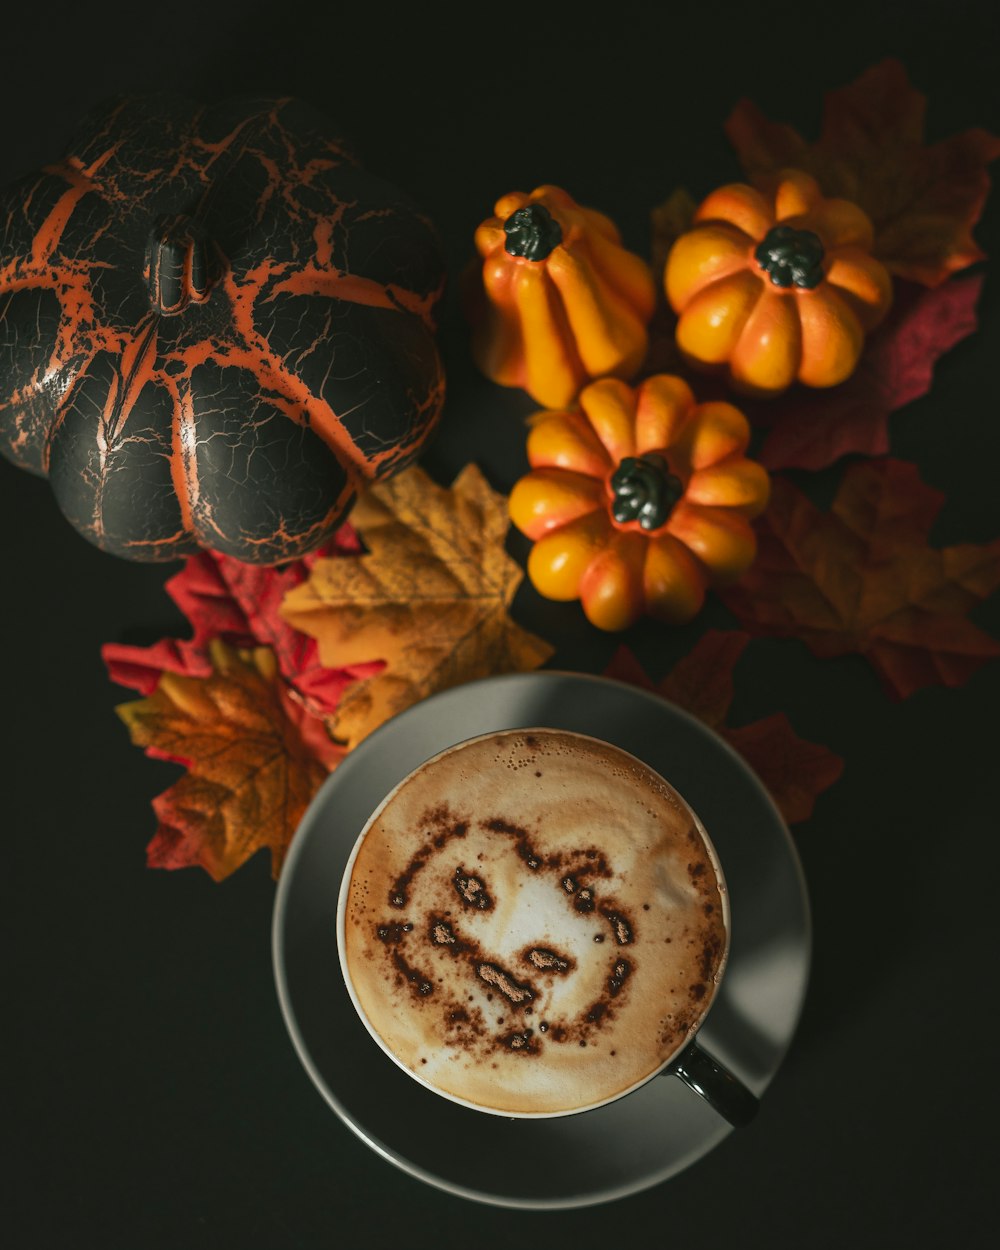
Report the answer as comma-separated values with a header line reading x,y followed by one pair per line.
x,y
152,1095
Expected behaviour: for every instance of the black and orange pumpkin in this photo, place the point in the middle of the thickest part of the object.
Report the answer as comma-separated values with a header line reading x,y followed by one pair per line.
x,y
215,328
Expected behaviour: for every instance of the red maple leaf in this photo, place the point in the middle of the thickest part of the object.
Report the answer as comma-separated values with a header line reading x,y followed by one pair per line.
x,y
810,429
793,770
923,199
238,603
862,578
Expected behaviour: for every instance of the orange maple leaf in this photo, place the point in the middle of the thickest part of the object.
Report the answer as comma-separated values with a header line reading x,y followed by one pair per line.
x,y
861,578
794,771
254,756
431,598
923,200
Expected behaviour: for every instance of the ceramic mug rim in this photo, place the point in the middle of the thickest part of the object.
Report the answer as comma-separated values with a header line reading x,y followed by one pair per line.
x,y
662,1067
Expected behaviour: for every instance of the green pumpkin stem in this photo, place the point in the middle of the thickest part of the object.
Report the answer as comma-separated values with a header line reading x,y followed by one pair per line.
x,y
791,257
179,266
645,490
532,232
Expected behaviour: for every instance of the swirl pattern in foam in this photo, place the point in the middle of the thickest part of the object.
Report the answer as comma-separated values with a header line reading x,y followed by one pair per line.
x,y
533,922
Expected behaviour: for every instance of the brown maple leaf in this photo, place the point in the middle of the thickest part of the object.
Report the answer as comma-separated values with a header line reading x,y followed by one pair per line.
x,y
923,200
862,578
794,771
254,760
430,598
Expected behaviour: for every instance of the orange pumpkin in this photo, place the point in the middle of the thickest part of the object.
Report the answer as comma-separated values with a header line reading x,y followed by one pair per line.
x,y
559,301
638,501
778,286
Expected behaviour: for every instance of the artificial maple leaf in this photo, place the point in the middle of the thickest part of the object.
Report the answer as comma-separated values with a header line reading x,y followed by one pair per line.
x,y
254,760
810,429
431,598
861,578
223,598
923,200
794,771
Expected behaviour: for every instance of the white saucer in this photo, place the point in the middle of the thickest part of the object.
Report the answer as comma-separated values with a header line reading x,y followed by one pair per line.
x,y
596,1156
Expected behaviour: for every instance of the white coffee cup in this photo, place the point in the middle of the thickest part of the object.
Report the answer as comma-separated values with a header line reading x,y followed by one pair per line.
x,y
533,923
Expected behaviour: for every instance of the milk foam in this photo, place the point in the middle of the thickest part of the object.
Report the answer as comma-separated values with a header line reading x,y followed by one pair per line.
x,y
533,923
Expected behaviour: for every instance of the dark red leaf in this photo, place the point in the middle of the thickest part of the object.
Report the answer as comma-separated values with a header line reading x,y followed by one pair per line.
x,y
794,771
862,578
810,429
923,199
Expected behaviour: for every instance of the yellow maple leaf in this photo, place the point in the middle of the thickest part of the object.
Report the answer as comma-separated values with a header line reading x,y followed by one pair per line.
x,y
254,760
430,598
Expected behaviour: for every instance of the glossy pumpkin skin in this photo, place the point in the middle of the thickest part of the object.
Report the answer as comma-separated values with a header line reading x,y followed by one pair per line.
x,y
776,287
638,501
558,301
215,328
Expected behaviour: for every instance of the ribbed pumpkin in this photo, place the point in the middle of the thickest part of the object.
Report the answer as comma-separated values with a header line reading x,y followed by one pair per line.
x,y
777,287
558,301
215,328
638,501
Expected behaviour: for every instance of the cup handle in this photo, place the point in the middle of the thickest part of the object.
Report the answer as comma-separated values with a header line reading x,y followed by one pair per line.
x,y
716,1084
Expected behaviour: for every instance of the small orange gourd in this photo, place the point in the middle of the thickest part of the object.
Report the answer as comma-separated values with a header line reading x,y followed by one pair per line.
x,y
559,301
638,501
777,287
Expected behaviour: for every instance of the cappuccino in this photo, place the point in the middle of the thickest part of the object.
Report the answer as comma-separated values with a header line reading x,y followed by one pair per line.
x,y
533,923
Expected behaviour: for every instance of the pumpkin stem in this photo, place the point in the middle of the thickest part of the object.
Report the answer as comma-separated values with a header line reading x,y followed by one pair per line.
x,y
645,490
532,232
180,264
791,257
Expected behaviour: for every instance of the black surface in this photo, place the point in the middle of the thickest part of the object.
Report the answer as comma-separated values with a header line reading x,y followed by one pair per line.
x,y
152,1096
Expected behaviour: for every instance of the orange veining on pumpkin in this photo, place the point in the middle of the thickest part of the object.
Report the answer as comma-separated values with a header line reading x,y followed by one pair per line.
x,y
776,286
557,300
291,358
638,501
